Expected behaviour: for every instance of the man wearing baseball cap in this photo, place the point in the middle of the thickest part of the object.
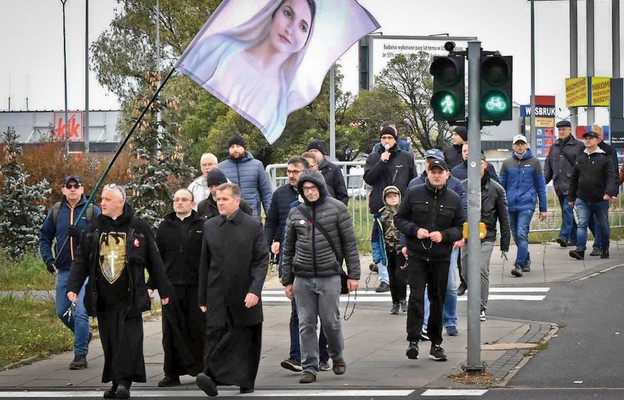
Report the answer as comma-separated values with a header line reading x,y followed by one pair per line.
x,y
63,225
522,178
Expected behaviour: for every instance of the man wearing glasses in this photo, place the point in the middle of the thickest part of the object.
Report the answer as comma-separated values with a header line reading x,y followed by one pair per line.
x,y
179,240
62,225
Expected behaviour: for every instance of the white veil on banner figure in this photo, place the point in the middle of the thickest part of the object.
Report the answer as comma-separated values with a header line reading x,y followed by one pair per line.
x,y
268,58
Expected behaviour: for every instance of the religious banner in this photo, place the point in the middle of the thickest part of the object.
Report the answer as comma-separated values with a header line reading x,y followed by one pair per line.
x,y
268,58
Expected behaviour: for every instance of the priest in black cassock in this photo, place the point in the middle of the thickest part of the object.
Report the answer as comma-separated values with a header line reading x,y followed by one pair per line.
x,y
233,266
114,253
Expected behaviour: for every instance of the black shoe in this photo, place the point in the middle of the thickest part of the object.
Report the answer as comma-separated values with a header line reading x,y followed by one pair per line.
x,y
579,255
90,337
461,289
383,287
423,335
244,390
307,377
395,308
292,365
412,351
80,362
373,267
110,393
437,353
595,252
562,242
517,271
339,366
206,384
403,305
169,381
123,390
604,253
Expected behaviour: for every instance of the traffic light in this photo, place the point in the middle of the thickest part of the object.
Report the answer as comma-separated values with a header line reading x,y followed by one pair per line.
x,y
448,100
496,83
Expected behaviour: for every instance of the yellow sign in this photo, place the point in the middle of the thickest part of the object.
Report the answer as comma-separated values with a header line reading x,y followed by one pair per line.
x,y
482,230
544,122
600,91
577,92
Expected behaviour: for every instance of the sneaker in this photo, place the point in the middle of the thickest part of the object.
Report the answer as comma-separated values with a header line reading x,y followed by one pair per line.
x,y
437,353
578,254
292,365
452,330
373,267
527,266
169,381
307,377
395,308
412,351
517,271
423,335
595,252
562,242
482,316
383,287
461,289
324,366
206,384
80,362
604,253
403,305
339,366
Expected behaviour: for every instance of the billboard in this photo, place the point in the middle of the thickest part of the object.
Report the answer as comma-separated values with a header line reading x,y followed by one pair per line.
x,y
377,50
73,126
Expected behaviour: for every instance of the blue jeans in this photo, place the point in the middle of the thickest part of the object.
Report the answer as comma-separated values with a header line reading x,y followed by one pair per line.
x,y
79,323
520,222
449,309
382,270
568,223
600,212
594,228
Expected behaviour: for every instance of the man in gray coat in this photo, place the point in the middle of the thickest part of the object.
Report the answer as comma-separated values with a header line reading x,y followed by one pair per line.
x,y
319,235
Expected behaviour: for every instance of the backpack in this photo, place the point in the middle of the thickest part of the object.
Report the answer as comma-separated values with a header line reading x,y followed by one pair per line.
x,y
57,208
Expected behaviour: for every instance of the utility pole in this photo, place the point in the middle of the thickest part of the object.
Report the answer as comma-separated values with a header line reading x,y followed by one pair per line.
x,y
63,2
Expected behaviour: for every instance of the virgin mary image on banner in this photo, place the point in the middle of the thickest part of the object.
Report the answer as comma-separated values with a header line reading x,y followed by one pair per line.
x,y
267,58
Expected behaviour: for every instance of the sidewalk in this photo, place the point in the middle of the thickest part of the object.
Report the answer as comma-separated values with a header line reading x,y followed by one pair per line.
x,y
374,339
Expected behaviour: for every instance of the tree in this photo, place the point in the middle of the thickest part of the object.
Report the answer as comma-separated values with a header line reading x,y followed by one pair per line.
x,y
21,211
409,78
157,163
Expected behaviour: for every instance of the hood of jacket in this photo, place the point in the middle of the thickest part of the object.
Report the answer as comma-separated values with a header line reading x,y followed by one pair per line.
x,y
124,218
314,176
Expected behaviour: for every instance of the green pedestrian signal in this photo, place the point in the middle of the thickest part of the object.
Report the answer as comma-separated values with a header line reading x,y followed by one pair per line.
x,y
496,88
448,100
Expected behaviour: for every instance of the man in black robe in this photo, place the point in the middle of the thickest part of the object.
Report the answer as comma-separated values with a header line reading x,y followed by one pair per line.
x,y
114,253
179,240
232,270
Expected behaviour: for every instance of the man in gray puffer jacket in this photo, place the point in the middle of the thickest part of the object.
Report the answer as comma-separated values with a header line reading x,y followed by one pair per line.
x,y
312,269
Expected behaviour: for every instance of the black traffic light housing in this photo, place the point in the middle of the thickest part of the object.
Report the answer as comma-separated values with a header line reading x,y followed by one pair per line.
x,y
448,101
496,78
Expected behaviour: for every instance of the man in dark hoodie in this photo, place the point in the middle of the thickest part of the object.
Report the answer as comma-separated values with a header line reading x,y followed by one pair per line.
x,y
331,172
312,269
208,207
114,254
179,240
453,153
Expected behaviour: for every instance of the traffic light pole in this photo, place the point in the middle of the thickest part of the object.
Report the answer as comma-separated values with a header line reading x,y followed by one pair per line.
x,y
473,363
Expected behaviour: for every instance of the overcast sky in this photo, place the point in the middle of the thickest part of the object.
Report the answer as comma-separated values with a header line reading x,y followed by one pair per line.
x,y
32,44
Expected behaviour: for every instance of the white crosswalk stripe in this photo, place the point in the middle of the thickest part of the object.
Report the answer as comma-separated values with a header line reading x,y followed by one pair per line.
x,y
453,392
277,296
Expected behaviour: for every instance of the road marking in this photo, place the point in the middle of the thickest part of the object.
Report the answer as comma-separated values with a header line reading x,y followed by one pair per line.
x,y
197,393
453,393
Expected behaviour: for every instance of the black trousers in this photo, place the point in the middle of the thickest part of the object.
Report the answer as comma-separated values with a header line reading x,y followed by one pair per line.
x,y
183,332
121,334
397,275
434,275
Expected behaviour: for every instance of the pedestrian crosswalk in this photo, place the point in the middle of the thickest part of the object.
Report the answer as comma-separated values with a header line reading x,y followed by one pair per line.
x,y
511,293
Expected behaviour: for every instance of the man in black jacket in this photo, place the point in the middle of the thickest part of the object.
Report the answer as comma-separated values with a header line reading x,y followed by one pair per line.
x,y
593,184
430,218
179,240
558,168
453,153
208,207
233,266
331,172
114,254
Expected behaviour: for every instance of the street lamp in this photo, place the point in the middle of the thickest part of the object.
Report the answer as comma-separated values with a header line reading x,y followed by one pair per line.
x,y
63,2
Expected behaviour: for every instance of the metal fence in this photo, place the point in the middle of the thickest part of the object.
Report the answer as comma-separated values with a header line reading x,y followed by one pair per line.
x,y
358,190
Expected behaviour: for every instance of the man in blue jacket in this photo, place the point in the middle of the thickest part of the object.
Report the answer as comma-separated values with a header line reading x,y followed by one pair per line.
x,y
249,174
62,224
522,178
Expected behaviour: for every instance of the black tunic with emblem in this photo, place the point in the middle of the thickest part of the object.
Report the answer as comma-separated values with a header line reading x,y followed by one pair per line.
x,y
233,263
114,254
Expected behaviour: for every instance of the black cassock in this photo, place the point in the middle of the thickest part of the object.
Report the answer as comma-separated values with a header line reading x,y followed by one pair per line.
x,y
234,262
